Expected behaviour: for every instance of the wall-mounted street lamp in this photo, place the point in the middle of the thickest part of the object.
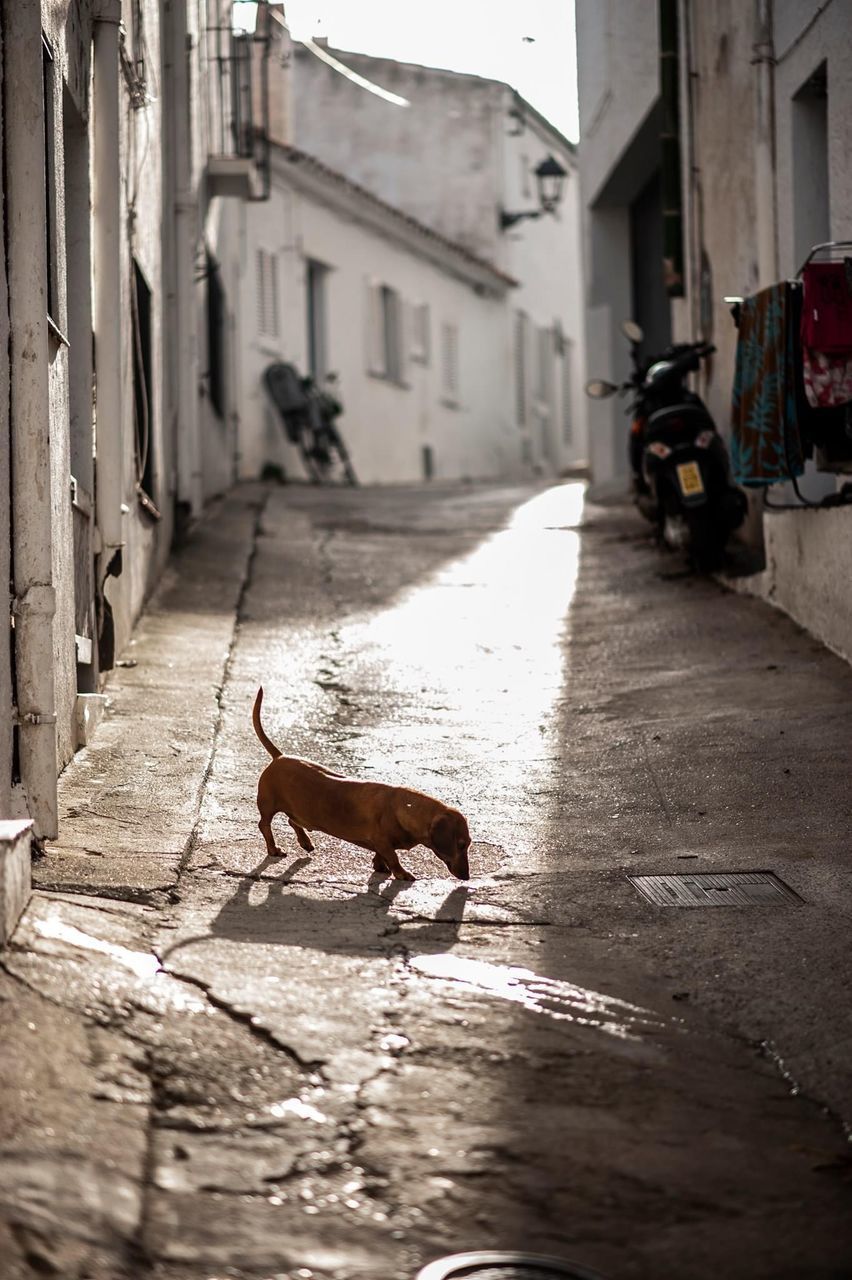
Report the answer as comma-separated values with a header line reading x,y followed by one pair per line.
x,y
549,177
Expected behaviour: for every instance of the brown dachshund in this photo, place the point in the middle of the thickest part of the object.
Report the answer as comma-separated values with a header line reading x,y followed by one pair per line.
x,y
370,815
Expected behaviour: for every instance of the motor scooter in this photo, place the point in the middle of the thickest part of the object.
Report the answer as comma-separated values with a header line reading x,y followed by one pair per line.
x,y
681,473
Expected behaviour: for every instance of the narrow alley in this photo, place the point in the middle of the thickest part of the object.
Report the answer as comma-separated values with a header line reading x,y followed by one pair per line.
x,y
223,1064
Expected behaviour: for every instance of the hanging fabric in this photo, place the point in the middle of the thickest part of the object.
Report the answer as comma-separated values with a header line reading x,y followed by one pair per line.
x,y
827,379
765,443
827,307
826,333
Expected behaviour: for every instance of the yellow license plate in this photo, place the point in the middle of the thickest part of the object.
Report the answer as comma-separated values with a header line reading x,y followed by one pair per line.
x,y
689,479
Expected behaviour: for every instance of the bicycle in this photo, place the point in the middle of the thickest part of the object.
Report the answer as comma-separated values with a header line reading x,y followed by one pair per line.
x,y
308,412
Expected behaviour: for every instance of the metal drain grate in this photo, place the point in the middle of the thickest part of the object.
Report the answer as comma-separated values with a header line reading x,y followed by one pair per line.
x,y
711,889
504,1266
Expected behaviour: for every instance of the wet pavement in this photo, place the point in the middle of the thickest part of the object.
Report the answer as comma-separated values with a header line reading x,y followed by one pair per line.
x,y
220,1064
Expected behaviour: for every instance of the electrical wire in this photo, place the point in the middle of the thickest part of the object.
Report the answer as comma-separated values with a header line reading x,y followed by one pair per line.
x,y
349,74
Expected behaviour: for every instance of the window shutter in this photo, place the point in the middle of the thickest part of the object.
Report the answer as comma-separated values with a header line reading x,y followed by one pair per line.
x,y
450,362
405,336
374,353
267,293
419,327
260,283
273,295
567,419
521,390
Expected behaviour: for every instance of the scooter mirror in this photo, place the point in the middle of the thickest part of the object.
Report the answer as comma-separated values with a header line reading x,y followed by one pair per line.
x,y
632,330
597,389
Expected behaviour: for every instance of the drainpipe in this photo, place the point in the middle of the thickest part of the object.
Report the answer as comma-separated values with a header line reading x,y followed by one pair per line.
x,y
108,310
763,60
670,179
30,452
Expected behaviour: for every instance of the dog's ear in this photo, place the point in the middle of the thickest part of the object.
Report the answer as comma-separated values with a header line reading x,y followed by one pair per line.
x,y
442,836
449,839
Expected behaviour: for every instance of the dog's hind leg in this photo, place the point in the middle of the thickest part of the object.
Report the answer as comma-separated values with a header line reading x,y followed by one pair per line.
x,y
302,836
265,825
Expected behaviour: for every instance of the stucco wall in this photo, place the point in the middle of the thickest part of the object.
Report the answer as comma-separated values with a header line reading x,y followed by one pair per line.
x,y
5,494
385,425
618,78
69,68
617,82
146,542
545,256
799,50
718,84
435,159
463,151
807,572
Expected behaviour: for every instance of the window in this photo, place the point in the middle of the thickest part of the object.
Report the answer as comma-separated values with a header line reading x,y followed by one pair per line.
x,y
567,417
450,363
391,316
420,346
521,324
141,303
267,293
315,287
215,337
385,345
544,368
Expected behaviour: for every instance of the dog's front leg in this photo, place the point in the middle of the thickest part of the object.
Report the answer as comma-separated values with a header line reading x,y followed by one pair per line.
x,y
386,860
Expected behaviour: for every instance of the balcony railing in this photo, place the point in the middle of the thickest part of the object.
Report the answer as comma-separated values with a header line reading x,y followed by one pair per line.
x,y
238,112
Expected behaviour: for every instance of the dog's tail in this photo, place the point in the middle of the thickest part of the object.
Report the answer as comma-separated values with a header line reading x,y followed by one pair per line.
x,y
258,727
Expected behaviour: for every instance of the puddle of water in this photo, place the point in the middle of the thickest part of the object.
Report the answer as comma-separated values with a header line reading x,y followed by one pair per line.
x,y
517,585
562,1001
144,964
295,1107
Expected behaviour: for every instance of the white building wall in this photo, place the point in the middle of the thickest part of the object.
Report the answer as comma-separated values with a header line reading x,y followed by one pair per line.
x,y
801,48
464,150
385,425
544,256
6,700
435,158
809,553
618,88
729,249
145,543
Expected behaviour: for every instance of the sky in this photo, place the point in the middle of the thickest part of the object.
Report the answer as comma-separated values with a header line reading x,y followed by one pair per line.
x,y
529,44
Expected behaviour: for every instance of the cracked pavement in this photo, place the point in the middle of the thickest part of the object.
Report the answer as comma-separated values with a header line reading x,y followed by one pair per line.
x,y
220,1064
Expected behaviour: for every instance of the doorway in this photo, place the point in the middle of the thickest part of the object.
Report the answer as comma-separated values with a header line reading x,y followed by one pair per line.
x,y
650,303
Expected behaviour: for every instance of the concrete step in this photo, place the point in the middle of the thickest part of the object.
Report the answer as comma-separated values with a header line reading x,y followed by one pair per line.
x,y
15,873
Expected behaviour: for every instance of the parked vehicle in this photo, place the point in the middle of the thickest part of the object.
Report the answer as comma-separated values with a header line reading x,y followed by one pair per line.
x,y
681,474
308,413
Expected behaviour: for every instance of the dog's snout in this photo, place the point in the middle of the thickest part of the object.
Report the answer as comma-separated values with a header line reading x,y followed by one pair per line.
x,y
461,868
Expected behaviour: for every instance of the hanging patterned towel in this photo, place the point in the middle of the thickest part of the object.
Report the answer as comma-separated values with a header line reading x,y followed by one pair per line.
x,y
765,445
